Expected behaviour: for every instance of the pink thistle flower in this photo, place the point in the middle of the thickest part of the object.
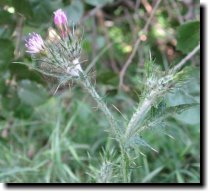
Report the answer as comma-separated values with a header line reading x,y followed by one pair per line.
x,y
61,21
60,18
34,43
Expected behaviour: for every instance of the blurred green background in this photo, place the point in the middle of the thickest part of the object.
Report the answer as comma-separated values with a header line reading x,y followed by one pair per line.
x,y
47,137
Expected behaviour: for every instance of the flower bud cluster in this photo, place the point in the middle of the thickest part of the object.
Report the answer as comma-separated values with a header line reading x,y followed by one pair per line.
x,y
59,55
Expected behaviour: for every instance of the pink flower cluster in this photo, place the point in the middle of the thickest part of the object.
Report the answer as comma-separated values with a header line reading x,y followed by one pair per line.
x,y
34,43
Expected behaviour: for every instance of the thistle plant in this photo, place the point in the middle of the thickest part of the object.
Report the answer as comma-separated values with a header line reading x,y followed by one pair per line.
x,y
59,56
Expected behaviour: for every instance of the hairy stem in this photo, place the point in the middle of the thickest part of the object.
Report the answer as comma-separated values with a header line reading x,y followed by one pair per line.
x,y
101,104
140,113
124,163
114,126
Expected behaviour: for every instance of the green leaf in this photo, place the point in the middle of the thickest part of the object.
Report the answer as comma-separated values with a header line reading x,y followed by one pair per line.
x,y
188,94
152,174
98,2
5,2
31,93
177,109
71,175
136,141
3,86
44,11
74,153
10,100
7,51
24,7
179,177
188,36
108,77
75,10
191,116
4,172
23,72
23,111
158,119
6,17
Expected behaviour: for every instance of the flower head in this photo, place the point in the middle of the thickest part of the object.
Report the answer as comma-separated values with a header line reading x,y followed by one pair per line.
x,y
34,43
60,53
60,18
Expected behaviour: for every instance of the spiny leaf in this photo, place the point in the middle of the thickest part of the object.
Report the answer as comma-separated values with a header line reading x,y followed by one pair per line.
x,y
136,141
180,108
158,118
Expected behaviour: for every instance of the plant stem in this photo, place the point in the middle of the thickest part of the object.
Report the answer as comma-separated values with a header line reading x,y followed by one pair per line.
x,y
140,113
184,60
101,104
114,126
124,165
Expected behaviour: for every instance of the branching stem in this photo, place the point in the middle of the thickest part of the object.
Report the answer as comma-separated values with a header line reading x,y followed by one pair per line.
x,y
146,105
137,117
184,60
115,129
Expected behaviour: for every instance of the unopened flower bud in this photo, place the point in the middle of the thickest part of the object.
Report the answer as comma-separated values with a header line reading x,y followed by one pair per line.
x,y
60,18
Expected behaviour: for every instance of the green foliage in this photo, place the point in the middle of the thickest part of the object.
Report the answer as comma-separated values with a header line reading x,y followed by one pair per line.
x,y
7,50
5,17
151,175
75,10
157,119
108,78
188,36
10,101
31,93
136,142
98,2
39,11
24,7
